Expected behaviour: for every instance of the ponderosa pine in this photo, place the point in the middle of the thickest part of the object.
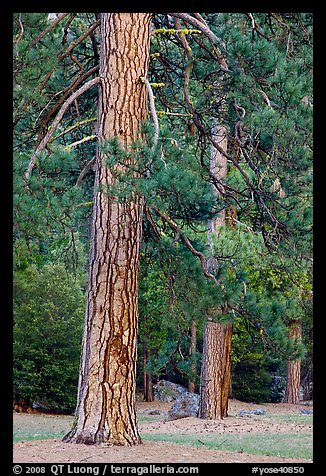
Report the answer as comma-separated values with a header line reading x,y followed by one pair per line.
x,y
106,395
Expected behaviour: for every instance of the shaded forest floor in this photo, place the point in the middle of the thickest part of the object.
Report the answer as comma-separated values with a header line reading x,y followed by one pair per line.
x,y
283,434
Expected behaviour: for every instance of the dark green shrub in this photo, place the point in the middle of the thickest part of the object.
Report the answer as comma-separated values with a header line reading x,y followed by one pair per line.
x,y
251,382
48,320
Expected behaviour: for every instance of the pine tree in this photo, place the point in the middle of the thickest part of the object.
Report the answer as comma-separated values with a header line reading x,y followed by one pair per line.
x,y
166,171
106,396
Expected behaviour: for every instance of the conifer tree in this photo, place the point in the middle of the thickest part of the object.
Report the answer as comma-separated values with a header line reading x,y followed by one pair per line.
x,y
162,167
106,396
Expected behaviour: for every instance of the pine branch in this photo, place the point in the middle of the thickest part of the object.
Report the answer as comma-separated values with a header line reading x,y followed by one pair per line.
x,y
152,223
85,170
48,29
202,26
81,141
257,192
153,110
72,128
198,24
55,123
186,241
189,66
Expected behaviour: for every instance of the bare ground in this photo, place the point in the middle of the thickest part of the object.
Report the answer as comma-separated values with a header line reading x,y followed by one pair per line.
x,y
275,422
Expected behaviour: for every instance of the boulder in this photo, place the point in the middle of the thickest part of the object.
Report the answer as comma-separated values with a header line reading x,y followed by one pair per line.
x,y
185,406
185,403
259,411
155,412
166,391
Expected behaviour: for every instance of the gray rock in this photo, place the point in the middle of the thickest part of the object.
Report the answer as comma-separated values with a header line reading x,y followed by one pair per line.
x,y
40,407
185,406
154,412
307,403
306,412
185,403
166,391
258,411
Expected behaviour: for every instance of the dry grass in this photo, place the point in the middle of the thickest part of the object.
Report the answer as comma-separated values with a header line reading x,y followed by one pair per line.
x,y
281,433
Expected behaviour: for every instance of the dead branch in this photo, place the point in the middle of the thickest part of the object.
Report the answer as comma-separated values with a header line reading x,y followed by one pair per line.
x,y
48,29
79,40
200,18
153,110
65,93
60,56
72,128
55,123
152,223
198,24
21,33
202,26
85,170
189,66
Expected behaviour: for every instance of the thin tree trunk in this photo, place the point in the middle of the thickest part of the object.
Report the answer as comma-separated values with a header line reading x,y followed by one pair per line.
x,y
215,370
230,384
107,384
145,375
149,385
292,390
307,386
147,380
193,342
216,365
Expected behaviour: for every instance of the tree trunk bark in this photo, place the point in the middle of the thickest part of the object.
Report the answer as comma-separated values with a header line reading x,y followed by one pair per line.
x,y
107,383
193,342
215,370
216,365
145,375
292,390
149,385
230,395
147,380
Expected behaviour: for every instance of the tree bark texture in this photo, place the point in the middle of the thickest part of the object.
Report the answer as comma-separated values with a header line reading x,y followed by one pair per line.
x,y
292,390
218,168
193,342
145,375
107,383
216,369
147,379
216,365
149,386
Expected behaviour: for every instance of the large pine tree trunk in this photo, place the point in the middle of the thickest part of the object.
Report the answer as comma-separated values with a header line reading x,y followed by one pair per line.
x,y
216,365
292,390
106,394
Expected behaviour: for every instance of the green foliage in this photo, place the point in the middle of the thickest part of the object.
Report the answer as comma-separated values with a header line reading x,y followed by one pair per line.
x,y
172,292
170,179
264,263
254,366
48,320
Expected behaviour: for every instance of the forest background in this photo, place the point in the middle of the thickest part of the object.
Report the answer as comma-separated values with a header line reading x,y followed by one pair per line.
x,y
264,251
